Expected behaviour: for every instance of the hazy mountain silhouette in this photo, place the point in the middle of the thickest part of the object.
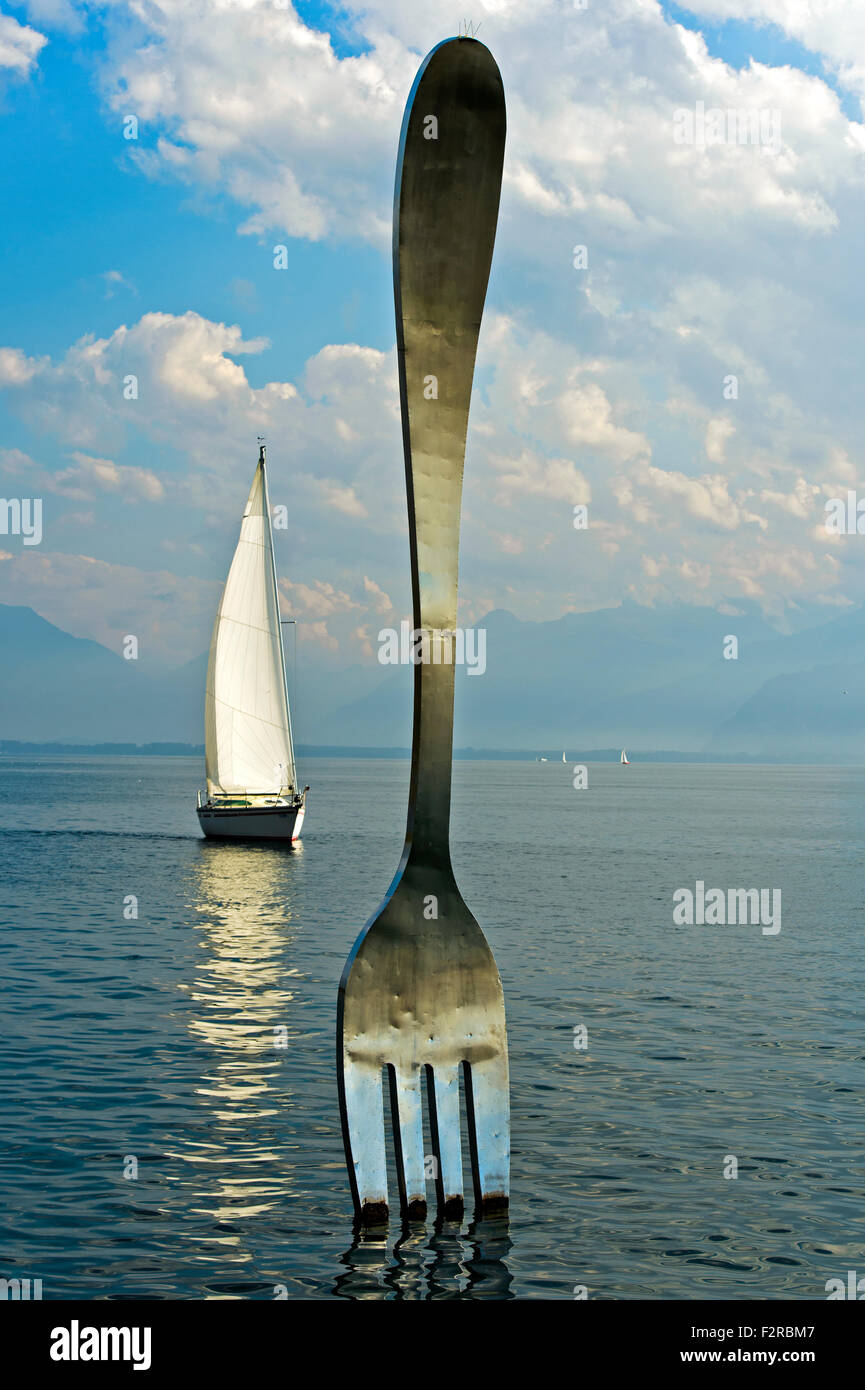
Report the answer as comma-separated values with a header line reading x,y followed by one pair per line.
x,y
634,676
55,686
644,677
816,713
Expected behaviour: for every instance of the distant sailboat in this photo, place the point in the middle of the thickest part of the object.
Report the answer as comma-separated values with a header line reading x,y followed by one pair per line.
x,y
251,775
564,759
625,759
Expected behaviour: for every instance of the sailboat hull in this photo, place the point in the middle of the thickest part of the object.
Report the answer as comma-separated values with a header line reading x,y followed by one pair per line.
x,y
252,822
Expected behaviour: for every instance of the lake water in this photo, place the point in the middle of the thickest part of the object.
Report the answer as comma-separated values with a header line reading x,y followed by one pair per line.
x,y
153,1038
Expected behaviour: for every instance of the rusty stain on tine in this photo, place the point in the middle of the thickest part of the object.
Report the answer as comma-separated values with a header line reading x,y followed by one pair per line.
x,y
420,991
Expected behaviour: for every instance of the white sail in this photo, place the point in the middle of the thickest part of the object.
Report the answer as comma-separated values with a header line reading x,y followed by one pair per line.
x,y
247,723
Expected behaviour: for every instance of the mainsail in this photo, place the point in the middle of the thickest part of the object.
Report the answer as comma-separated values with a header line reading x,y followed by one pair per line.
x,y
247,723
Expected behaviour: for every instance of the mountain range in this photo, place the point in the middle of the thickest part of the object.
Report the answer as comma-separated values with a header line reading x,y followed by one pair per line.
x,y
644,678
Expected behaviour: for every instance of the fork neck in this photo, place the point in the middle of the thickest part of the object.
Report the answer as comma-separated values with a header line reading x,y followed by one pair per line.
x,y
428,826
434,506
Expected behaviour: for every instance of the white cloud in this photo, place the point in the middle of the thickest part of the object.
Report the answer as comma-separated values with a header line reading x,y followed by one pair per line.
x,y
340,498
64,15
558,479
194,360
115,280
89,476
567,428
318,600
160,363
799,502
15,367
380,600
249,100
20,46
833,28
586,415
317,635
707,497
601,385
718,431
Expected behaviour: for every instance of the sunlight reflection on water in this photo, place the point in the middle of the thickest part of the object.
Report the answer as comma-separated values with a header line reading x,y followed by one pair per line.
x,y
199,1037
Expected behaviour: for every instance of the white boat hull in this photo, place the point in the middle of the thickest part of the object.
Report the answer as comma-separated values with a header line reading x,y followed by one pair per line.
x,y
252,822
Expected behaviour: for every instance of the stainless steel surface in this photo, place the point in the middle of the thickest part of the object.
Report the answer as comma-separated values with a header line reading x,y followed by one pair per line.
x,y
420,992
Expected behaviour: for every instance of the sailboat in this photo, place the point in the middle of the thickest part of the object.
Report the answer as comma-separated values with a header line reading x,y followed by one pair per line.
x,y
625,759
564,759
252,788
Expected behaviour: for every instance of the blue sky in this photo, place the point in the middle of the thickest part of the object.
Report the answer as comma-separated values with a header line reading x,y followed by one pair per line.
x,y
739,41
269,125
81,208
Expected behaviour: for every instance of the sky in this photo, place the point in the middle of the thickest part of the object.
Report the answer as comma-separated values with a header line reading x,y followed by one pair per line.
x,y
606,384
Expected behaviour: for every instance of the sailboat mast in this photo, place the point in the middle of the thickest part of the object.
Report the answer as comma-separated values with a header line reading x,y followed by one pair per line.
x,y
261,464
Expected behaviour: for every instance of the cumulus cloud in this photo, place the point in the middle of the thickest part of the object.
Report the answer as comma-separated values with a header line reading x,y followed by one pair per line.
x,y
318,600
834,28
89,476
341,498
602,384
554,478
317,635
542,438
250,100
718,431
379,599
586,416
16,369
799,502
20,46
706,497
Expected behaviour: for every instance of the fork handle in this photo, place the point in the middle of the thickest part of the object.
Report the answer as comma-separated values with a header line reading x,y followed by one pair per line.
x,y
448,182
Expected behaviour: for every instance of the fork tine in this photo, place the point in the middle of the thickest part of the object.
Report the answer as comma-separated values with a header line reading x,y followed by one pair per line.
x,y
405,1105
363,1131
489,1129
443,1090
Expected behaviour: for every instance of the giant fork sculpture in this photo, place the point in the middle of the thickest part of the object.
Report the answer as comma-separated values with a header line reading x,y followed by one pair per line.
x,y
420,991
